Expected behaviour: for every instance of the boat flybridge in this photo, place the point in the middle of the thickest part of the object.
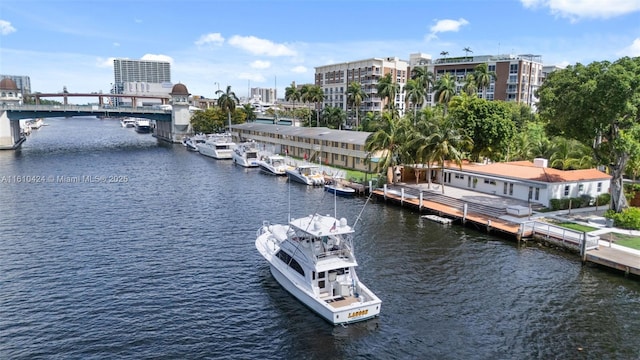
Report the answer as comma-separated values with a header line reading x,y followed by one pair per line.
x,y
312,258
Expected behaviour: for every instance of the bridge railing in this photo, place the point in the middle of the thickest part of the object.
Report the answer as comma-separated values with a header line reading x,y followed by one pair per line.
x,y
88,108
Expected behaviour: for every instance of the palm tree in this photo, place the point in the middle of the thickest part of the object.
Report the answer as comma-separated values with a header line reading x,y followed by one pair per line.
x,y
387,89
292,93
424,77
386,143
414,93
333,117
316,95
445,142
444,54
470,87
483,77
467,50
355,96
227,101
249,112
305,96
445,90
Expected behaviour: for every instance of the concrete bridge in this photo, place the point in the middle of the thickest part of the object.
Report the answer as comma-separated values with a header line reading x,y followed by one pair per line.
x,y
171,125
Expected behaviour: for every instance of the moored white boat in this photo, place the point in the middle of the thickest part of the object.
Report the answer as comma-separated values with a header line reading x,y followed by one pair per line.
x,y
313,259
128,122
142,126
307,174
336,187
190,144
246,154
273,164
217,146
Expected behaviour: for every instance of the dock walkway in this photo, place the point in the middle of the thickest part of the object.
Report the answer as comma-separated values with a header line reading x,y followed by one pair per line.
x,y
489,212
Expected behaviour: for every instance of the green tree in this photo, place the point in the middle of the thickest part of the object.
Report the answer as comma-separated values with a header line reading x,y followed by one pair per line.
x,y
570,154
316,95
414,93
333,117
597,104
487,123
355,96
227,101
292,94
470,87
424,77
371,121
442,141
306,91
249,111
387,90
445,90
208,121
386,144
484,77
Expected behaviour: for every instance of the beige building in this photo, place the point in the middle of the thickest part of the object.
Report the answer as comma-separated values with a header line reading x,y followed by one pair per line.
x,y
334,80
338,148
517,76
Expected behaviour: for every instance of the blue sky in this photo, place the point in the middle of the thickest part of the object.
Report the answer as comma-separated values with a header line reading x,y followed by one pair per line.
x,y
272,43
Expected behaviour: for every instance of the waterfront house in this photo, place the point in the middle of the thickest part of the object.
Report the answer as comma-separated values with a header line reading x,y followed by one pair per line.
x,y
524,180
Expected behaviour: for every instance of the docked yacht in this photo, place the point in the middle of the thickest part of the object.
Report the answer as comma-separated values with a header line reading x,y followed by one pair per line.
x,y
313,259
217,146
128,122
190,144
307,174
273,165
143,126
246,154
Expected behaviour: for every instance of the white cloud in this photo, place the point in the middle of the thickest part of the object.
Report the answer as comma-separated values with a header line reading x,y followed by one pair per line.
x,y
446,25
116,44
251,77
104,63
6,28
299,69
260,64
631,50
259,46
154,57
576,9
212,38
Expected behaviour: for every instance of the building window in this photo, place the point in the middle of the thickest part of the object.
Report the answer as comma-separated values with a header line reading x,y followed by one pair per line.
x,y
537,194
580,188
513,68
510,189
566,190
599,187
504,190
459,176
490,182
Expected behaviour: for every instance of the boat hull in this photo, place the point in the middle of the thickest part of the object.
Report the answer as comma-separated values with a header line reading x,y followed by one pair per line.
x,y
355,313
340,191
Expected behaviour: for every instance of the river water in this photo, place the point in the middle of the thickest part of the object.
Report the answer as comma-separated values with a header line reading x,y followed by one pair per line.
x,y
116,246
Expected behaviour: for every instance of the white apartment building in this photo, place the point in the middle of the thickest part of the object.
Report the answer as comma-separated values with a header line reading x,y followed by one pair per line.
x,y
334,80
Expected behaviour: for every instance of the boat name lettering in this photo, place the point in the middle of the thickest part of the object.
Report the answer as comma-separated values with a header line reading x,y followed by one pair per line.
x,y
358,313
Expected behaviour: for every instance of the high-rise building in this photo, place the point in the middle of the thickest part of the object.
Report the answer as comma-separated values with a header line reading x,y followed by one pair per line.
x,y
334,80
22,82
139,77
517,76
267,95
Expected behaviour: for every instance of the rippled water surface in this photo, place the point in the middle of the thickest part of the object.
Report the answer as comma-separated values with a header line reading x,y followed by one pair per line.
x,y
161,263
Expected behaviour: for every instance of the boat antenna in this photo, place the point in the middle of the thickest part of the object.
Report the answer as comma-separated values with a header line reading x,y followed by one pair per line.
x,y
362,210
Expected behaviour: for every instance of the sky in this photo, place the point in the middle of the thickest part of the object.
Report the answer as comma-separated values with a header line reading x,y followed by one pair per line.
x,y
212,44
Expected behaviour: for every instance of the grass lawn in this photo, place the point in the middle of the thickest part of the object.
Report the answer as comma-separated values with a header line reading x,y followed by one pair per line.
x,y
574,226
623,240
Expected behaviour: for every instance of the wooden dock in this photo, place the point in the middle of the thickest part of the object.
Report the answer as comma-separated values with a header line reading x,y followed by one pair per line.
x,y
612,258
455,210
488,218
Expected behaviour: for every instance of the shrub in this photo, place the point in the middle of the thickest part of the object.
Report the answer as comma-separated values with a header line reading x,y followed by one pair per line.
x,y
603,199
629,218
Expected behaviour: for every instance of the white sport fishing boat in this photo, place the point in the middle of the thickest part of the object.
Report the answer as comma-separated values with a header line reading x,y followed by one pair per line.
x,y
313,259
